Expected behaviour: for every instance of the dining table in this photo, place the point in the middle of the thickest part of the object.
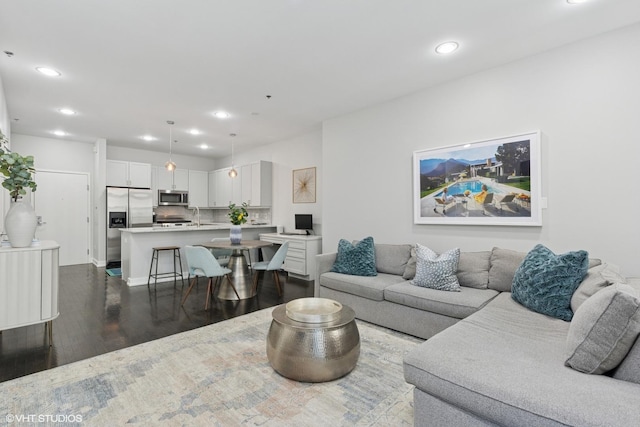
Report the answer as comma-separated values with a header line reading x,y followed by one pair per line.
x,y
241,273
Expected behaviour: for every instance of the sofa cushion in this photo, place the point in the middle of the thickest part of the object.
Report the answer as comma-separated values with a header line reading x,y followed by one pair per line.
x,y
357,260
473,269
545,281
437,271
504,363
603,330
392,259
597,278
503,266
629,368
458,305
363,286
410,269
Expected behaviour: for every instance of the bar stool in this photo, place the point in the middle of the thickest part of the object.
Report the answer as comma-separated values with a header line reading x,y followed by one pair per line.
x,y
174,273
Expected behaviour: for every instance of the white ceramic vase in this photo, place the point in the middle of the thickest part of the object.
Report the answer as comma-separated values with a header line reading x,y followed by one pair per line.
x,y
235,234
20,224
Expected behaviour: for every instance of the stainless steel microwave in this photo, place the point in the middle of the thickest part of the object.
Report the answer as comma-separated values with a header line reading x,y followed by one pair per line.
x,y
173,198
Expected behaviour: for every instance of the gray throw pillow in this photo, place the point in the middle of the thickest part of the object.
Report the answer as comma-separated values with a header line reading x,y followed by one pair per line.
x,y
504,263
437,271
603,330
597,278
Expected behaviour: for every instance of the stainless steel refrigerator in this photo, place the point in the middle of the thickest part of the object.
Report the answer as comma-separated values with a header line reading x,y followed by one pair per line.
x,y
126,208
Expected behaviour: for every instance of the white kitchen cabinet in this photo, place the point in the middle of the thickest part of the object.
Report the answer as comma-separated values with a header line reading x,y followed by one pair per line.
x,y
173,180
128,174
154,185
212,189
301,256
256,181
198,189
223,187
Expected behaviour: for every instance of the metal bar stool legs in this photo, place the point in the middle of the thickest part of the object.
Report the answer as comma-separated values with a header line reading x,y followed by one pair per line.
x,y
176,258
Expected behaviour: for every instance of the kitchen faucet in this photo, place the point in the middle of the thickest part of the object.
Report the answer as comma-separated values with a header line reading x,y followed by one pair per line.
x,y
196,211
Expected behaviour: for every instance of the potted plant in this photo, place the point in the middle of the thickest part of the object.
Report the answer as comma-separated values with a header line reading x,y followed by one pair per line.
x,y
238,216
20,222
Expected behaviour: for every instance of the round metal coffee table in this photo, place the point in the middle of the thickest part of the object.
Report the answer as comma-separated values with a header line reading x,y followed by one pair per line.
x,y
313,340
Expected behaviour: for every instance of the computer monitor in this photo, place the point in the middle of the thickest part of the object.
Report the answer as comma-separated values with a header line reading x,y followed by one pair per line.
x,y
304,222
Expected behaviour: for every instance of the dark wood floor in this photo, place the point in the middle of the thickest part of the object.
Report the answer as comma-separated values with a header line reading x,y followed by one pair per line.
x,y
99,314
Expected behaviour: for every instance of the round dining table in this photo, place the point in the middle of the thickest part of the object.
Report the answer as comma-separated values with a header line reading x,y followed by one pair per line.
x,y
241,274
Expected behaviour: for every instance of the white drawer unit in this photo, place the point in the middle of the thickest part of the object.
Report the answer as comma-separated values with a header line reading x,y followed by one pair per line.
x,y
301,256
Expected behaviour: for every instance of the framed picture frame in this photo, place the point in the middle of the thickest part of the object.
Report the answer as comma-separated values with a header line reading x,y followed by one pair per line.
x,y
490,182
304,185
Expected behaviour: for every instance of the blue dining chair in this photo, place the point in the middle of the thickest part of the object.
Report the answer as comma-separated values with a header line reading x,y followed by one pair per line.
x,y
274,265
222,255
202,263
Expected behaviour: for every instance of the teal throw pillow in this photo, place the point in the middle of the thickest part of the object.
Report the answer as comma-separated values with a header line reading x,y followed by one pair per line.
x,y
545,282
436,271
356,260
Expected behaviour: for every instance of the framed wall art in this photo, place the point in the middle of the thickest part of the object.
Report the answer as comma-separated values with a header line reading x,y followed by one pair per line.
x,y
491,182
304,185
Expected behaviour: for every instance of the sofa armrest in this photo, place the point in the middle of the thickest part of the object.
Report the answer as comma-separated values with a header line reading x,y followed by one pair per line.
x,y
324,262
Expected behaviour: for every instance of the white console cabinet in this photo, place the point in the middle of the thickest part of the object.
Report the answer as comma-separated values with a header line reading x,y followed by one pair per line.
x,y
301,256
29,285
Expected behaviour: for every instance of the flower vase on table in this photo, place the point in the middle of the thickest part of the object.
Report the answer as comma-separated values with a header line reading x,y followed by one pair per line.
x,y
235,235
20,224
238,216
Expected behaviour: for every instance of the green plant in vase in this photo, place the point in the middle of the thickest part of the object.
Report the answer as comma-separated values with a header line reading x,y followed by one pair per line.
x,y
20,222
238,214
18,171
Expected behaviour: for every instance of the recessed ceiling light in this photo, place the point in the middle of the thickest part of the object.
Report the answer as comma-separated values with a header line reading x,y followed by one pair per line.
x,y
148,138
221,115
67,111
446,47
48,71
576,1
59,133
204,146
194,132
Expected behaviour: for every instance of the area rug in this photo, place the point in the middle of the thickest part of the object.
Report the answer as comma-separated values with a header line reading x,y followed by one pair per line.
x,y
217,375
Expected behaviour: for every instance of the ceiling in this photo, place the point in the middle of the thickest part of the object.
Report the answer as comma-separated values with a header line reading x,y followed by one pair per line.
x,y
129,66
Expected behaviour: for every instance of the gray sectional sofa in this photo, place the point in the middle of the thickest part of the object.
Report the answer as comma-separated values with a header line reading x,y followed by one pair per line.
x,y
487,360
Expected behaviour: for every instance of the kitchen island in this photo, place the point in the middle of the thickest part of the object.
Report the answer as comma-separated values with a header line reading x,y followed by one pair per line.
x,y
138,243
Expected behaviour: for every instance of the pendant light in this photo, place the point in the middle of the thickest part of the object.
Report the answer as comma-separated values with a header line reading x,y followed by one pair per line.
x,y
233,172
170,165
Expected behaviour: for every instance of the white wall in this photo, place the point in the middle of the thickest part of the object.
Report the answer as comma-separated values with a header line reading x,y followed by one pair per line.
x,y
158,159
5,122
585,100
296,153
55,154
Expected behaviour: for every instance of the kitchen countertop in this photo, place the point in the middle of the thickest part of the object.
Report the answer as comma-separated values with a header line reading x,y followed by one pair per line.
x,y
191,227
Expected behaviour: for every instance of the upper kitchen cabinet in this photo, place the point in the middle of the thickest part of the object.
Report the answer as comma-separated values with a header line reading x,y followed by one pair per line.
x,y
128,174
212,189
257,183
198,189
174,180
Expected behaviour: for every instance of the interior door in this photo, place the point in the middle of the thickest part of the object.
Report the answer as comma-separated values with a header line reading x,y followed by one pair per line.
x,y
62,200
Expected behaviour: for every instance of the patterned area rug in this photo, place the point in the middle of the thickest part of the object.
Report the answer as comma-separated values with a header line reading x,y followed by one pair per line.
x,y
217,375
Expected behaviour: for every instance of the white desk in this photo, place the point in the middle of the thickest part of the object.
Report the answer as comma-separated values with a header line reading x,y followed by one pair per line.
x,y
301,257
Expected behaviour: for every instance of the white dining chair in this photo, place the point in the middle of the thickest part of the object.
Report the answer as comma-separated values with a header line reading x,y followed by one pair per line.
x,y
202,263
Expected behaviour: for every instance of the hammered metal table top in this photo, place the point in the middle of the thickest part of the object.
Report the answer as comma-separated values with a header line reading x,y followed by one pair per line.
x,y
344,316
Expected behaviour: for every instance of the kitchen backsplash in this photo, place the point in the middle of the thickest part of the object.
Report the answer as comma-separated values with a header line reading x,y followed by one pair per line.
x,y
259,216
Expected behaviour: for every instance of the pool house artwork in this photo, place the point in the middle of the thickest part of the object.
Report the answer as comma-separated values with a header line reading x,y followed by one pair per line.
x,y
491,182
